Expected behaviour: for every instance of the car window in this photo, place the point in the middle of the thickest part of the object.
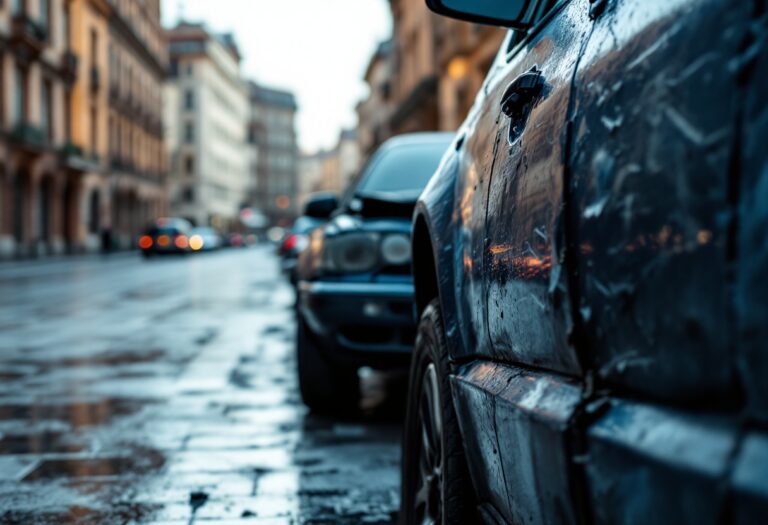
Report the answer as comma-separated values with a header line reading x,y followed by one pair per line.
x,y
163,230
405,168
545,7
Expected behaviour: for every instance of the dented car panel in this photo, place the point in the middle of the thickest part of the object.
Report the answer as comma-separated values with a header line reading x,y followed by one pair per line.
x,y
519,419
750,187
654,123
611,238
527,295
642,457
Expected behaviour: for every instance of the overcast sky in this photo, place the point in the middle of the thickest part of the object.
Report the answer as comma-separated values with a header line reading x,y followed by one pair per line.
x,y
318,49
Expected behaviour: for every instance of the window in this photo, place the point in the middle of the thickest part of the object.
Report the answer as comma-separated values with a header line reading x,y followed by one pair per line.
x,y
94,47
65,24
189,99
94,131
68,115
46,120
20,96
17,7
189,165
94,212
189,70
45,16
189,195
189,133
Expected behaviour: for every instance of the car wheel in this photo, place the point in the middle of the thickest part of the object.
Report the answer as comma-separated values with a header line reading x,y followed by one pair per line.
x,y
435,481
324,388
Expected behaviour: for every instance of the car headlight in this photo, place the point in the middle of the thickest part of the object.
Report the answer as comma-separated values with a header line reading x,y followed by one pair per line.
x,y
351,252
396,249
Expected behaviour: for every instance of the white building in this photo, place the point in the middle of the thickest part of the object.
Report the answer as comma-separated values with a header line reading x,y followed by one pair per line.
x,y
206,115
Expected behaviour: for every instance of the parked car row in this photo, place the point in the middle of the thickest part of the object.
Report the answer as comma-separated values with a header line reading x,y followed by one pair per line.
x,y
586,266
178,236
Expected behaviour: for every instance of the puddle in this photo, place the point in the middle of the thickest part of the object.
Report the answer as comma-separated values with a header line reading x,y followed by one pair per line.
x,y
44,442
113,358
77,414
119,512
140,462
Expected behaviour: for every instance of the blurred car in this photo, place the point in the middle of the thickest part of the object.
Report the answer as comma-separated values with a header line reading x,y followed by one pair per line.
x,y
316,211
205,239
235,240
589,267
355,288
166,236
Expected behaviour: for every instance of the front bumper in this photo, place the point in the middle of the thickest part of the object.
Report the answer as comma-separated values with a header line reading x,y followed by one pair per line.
x,y
361,323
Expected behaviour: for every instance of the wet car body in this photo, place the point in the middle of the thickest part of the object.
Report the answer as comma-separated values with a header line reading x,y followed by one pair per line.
x,y
364,316
166,236
595,257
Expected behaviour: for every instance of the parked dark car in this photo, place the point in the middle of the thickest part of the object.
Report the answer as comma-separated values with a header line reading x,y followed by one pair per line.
x,y
317,210
354,280
166,236
589,268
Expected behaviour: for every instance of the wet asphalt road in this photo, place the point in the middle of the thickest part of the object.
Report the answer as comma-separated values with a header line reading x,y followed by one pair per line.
x,y
164,392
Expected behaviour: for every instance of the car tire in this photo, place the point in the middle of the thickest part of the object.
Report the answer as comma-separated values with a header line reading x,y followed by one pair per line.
x,y
436,487
325,388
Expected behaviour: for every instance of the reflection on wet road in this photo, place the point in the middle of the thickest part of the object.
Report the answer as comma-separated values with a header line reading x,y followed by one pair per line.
x,y
164,392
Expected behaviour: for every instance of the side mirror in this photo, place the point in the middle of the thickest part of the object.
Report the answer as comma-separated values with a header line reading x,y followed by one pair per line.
x,y
321,205
514,14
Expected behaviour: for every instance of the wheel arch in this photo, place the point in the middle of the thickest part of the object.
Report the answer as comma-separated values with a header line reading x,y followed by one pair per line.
x,y
425,279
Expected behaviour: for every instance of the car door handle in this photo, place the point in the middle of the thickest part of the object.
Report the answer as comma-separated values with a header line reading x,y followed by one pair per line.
x,y
519,96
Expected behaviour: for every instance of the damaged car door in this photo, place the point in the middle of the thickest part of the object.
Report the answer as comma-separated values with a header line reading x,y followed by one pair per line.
x,y
525,412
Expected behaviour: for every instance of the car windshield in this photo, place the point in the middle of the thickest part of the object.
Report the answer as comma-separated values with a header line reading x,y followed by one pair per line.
x,y
163,230
403,170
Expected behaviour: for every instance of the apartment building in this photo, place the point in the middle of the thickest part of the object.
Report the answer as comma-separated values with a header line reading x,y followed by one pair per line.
x,y
137,60
206,116
427,77
58,190
272,132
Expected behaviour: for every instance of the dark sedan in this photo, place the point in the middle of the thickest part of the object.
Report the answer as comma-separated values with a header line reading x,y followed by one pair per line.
x,y
590,271
166,236
317,210
354,280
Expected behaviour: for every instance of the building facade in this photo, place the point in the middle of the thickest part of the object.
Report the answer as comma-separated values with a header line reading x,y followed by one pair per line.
x,y
57,189
272,133
137,61
206,116
375,111
427,77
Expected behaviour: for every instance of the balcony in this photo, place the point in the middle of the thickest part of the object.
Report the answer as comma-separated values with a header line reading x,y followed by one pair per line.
x,y
28,37
28,136
71,149
69,62
95,78
75,158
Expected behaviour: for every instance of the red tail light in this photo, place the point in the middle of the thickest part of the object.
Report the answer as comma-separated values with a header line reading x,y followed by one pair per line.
x,y
145,242
181,242
290,242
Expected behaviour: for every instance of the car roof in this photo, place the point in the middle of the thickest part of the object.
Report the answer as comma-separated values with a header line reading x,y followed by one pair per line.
x,y
422,137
